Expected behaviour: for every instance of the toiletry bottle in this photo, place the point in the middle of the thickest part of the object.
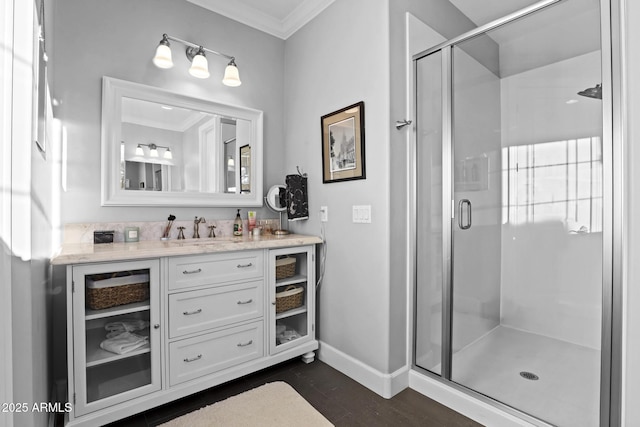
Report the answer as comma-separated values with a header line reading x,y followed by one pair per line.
x,y
237,225
251,219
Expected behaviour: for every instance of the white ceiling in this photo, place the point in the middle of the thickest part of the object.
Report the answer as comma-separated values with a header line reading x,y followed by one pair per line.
x,y
484,11
280,18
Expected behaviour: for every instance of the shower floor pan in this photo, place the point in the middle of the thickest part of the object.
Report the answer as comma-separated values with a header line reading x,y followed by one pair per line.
x,y
566,391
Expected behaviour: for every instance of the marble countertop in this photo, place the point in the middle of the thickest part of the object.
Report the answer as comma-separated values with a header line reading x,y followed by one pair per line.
x,y
78,253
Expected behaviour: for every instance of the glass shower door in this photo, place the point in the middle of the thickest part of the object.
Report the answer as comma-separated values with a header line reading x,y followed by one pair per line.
x,y
527,232
429,227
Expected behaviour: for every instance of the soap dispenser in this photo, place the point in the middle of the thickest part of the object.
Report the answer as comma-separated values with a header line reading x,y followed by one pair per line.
x,y
237,225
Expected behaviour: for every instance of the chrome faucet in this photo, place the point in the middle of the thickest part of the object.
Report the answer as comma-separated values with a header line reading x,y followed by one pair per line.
x,y
212,232
196,226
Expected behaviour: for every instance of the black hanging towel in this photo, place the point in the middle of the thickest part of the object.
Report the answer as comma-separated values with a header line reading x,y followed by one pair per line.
x,y
297,204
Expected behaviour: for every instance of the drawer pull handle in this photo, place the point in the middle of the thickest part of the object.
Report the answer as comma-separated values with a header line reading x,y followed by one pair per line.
x,y
190,313
193,359
249,301
192,271
245,265
245,344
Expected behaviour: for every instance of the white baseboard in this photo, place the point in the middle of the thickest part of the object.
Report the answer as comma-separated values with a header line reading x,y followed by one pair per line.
x,y
386,385
463,403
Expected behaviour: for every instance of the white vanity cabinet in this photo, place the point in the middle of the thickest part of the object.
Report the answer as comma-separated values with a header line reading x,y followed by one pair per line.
x,y
210,317
100,378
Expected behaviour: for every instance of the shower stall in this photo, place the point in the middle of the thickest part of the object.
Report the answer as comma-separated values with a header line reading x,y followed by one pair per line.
x,y
513,202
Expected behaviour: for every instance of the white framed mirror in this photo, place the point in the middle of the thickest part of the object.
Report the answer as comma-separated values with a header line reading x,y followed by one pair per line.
x,y
161,148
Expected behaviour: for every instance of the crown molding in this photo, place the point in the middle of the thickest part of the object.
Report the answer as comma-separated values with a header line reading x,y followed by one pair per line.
x,y
245,14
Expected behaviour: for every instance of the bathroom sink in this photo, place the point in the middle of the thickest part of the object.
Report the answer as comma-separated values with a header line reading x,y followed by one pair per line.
x,y
207,241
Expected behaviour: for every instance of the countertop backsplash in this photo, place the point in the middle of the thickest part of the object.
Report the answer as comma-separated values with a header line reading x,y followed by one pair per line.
x,y
153,230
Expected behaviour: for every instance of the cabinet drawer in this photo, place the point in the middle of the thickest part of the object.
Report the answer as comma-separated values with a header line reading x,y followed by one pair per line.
x,y
186,272
197,311
194,357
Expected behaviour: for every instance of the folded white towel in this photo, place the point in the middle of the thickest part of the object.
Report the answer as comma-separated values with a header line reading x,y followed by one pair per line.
x,y
124,342
125,325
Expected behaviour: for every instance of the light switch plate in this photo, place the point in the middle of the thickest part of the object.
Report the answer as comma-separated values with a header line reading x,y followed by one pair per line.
x,y
362,214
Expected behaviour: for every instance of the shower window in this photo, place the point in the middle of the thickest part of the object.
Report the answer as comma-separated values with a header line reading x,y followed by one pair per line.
x,y
558,181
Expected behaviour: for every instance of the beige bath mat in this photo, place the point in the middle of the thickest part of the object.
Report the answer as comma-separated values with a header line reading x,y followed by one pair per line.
x,y
274,404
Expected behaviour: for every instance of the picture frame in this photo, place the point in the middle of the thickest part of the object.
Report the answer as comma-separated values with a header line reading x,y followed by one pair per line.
x,y
245,169
343,144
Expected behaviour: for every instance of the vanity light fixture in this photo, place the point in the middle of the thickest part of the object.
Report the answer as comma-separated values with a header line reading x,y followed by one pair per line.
x,y
153,151
199,64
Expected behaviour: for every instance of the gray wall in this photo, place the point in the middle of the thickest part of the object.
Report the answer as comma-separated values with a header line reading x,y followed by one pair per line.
x,y
118,38
338,59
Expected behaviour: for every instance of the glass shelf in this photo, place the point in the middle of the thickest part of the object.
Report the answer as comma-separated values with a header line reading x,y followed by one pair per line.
x,y
115,311
291,280
292,312
97,356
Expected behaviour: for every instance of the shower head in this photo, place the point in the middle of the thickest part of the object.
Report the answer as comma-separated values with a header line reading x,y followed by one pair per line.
x,y
592,92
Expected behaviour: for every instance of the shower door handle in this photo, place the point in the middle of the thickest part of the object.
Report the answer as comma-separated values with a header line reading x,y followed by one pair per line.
x,y
461,208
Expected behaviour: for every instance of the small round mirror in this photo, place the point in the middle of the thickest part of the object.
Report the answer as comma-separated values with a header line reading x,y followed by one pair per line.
x,y
273,198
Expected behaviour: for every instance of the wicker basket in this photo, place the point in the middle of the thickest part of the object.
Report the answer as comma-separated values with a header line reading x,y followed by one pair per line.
x,y
285,267
288,299
110,292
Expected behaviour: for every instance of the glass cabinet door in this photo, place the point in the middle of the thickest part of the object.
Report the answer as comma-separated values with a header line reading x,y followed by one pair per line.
x,y
292,293
116,337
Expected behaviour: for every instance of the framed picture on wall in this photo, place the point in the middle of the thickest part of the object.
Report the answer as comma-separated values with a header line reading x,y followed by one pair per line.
x,y
343,156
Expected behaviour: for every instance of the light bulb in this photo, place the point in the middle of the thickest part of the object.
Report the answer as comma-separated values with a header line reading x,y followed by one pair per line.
x,y
231,75
163,55
153,152
199,66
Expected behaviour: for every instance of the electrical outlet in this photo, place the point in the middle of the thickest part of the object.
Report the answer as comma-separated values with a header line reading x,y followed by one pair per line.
x,y
324,213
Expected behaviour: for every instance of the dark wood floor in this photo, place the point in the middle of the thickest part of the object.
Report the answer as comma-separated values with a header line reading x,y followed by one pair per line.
x,y
340,399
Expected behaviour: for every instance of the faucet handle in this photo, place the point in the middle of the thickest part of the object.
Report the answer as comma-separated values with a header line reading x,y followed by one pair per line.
x,y
212,232
180,233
